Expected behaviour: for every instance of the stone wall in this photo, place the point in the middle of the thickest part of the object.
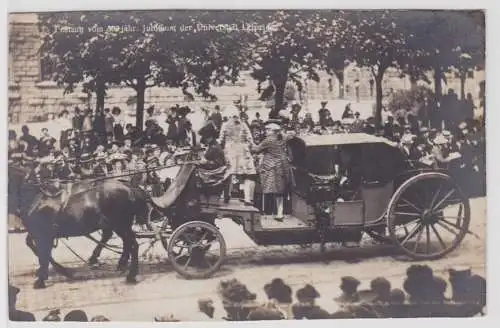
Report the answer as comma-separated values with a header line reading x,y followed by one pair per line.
x,y
30,96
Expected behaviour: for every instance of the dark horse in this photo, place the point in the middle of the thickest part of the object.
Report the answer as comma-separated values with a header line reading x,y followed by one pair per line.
x,y
88,206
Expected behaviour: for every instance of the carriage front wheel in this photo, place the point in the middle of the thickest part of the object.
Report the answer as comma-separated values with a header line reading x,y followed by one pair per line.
x,y
428,216
196,249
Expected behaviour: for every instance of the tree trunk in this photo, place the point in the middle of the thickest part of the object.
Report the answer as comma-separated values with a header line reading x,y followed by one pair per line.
x,y
279,92
463,78
139,111
379,95
413,81
100,94
340,77
436,115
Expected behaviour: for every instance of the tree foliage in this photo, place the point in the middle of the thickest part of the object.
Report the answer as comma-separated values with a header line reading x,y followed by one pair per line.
x,y
377,42
292,49
279,47
195,58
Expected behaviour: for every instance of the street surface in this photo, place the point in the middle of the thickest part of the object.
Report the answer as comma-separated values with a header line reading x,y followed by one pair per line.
x,y
160,290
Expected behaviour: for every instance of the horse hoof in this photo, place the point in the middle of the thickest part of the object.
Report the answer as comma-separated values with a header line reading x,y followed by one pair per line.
x,y
39,284
131,280
121,268
95,265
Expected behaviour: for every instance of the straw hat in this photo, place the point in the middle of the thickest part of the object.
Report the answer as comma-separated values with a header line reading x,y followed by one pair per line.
x,y
407,139
440,140
273,127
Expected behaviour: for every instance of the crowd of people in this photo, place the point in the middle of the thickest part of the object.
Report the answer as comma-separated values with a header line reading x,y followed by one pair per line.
x,y
102,145
423,295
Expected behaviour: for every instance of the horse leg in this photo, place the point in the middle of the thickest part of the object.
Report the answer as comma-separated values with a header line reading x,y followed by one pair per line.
x,y
131,247
58,267
44,249
123,262
106,236
134,253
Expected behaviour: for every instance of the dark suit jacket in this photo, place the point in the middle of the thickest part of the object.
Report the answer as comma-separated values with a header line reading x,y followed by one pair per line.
x,y
183,135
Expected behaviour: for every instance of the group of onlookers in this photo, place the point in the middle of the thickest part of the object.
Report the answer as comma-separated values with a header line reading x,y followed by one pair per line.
x,y
424,294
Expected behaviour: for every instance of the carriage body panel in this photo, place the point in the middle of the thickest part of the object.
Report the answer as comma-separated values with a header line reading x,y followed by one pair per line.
x,y
373,163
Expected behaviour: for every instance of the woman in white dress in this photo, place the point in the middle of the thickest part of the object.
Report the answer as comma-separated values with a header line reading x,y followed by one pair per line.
x,y
236,139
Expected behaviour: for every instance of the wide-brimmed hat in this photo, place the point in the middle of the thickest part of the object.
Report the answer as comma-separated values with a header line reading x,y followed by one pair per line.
x,y
446,133
462,125
440,140
273,127
407,139
117,157
324,102
424,129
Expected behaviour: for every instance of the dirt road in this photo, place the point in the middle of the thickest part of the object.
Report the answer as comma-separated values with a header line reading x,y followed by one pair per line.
x,y
161,290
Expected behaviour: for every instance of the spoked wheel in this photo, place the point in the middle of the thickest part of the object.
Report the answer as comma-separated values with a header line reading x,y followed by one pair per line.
x,y
196,249
428,216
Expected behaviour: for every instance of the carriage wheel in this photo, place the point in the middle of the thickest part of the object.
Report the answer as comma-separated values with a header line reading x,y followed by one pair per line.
x,y
155,216
196,249
428,216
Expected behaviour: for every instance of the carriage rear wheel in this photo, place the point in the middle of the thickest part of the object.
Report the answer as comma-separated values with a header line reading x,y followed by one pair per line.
x,y
196,249
428,216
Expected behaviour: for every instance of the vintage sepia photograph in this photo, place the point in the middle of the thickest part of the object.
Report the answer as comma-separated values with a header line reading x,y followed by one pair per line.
x,y
246,165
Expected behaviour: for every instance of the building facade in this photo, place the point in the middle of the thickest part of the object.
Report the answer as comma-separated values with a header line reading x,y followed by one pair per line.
x,y
32,94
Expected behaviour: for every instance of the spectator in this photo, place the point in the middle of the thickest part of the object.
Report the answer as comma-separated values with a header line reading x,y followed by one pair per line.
x,y
47,142
99,318
77,120
216,117
131,133
109,121
257,121
347,112
77,316
14,314
357,124
117,123
187,137
308,122
31,141
468,107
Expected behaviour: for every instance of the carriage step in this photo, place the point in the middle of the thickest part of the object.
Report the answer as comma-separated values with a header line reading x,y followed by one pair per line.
x,y
268,222
233,206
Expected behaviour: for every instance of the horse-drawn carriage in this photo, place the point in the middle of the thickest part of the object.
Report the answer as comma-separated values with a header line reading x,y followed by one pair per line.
x,y
345,185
